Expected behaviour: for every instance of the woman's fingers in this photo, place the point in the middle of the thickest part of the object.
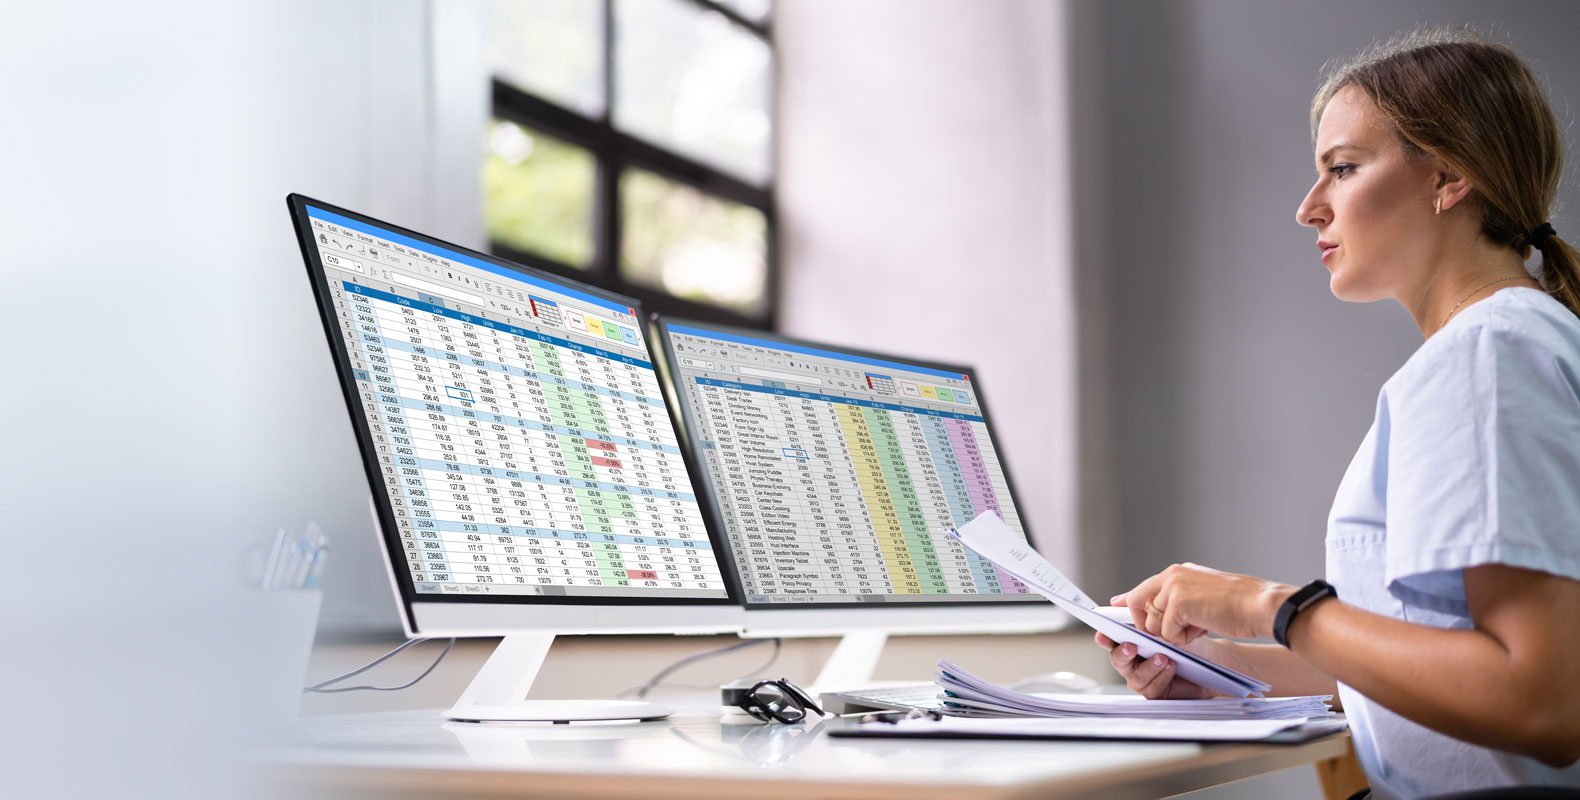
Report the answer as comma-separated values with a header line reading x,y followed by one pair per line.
x,y
1152,678
1156,684
1123,659
1173,625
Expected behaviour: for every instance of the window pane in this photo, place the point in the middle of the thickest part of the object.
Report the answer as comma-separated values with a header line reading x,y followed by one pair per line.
x,y
693,245
552,48
688,78
538,193
755,10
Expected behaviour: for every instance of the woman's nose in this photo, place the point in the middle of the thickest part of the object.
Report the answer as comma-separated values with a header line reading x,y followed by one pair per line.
x,y
1313,210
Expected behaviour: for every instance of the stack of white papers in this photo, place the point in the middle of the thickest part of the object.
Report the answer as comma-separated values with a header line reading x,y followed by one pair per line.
x,y
966,695
1221,730
993,540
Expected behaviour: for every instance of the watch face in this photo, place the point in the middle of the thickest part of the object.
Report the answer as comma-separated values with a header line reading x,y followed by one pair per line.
x,y
1312,592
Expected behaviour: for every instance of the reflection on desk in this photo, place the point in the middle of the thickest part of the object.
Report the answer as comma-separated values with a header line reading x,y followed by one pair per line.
x,y
416,753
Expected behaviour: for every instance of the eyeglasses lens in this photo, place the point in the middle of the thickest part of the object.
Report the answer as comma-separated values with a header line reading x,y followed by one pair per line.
x,y
769,701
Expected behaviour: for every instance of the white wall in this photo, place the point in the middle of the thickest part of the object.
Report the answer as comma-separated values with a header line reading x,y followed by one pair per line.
x,y
170,401
925,209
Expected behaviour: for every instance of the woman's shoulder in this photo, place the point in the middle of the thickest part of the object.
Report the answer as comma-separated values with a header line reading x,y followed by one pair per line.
x,y
1524,330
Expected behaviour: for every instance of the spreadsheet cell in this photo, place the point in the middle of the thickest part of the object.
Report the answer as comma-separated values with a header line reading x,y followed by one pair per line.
x,y
836,483
518,460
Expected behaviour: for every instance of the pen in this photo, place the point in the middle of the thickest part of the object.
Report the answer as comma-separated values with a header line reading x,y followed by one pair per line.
x,y
317,568
274,558
309,552
287,566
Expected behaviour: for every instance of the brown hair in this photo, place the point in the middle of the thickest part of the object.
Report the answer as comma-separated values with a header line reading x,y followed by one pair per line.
x,y
1472,102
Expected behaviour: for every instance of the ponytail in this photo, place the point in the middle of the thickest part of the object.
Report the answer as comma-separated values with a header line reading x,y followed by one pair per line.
x,y
1561,272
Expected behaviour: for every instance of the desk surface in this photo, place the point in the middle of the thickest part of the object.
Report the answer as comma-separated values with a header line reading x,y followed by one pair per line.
x,y
416,753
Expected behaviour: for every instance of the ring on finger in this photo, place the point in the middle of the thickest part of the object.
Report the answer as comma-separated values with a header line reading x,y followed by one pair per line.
x,y
1153,611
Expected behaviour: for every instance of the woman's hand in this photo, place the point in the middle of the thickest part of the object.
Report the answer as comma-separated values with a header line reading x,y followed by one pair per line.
x,y
1152,678
1186,601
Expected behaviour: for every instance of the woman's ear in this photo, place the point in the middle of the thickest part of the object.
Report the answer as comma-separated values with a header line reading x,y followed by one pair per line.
x,y
1451,187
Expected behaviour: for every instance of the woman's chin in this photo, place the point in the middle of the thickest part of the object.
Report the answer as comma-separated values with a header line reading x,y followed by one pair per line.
x,y
1348,290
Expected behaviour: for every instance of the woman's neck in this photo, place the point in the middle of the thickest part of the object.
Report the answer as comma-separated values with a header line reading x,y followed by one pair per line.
x,y
1457,282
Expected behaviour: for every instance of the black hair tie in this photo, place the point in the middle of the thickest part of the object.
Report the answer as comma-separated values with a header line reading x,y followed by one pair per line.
x,y
1540,232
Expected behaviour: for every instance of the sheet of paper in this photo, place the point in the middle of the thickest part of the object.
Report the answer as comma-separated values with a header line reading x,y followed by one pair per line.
x,y
1217,730
982,697
1008,550
993,540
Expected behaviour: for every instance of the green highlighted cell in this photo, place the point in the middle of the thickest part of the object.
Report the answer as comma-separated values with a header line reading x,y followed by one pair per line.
x,y
907,506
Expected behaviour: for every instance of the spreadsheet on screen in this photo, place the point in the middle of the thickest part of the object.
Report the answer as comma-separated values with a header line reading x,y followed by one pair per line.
x,y
518,423
837,475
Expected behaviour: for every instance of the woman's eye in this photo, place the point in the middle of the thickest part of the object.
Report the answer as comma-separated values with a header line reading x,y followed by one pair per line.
x,y
1340,170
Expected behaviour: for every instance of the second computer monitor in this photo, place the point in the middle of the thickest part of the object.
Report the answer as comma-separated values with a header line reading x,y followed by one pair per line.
x,y
836,474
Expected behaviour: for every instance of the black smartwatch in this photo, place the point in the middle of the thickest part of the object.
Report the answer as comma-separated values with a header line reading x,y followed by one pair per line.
x,y
1303,598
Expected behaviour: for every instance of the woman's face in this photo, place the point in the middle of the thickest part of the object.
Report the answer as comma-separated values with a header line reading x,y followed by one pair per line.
x,y
1370,204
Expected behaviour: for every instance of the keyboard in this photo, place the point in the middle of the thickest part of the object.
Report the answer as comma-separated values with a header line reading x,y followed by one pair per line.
x,y
902,697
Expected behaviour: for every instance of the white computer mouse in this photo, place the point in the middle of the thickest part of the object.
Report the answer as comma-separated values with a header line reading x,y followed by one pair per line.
x,y
1058,683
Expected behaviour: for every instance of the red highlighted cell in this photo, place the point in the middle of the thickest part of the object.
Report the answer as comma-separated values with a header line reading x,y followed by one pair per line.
x,y
606,462
641,574
600,445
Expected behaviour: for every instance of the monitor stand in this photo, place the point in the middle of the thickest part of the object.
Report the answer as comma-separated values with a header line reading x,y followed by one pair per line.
x,y
498,693
852,663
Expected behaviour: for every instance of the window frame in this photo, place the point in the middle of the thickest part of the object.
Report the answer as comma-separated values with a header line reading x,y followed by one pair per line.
x,y
614,151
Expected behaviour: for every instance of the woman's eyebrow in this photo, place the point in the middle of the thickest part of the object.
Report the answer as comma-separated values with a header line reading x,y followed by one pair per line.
x,y
1327,155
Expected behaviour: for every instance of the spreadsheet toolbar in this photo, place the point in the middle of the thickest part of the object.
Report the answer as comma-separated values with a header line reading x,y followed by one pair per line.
x,y
518,425
838,475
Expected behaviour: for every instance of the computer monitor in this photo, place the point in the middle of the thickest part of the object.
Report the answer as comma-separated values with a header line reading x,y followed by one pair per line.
x,y
526,475
836,474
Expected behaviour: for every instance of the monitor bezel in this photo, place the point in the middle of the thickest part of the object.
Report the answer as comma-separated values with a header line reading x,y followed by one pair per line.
x,y
677,400
383,510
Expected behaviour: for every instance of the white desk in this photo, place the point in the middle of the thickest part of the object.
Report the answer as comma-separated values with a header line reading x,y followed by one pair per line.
x,y
699,755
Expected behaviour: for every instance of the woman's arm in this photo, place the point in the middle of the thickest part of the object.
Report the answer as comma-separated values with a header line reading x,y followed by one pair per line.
x,y
1507,683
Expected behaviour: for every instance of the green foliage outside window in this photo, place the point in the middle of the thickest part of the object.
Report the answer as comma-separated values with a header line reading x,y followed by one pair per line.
x,y
538,194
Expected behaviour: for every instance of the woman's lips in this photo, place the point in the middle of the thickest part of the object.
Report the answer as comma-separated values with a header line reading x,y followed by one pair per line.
x,y
1327,250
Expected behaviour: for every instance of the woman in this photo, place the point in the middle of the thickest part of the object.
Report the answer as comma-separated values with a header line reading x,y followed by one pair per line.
x,y
1453,641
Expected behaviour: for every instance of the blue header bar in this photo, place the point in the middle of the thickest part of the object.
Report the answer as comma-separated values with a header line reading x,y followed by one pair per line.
x,y
498,326
812,351
830,398
407,241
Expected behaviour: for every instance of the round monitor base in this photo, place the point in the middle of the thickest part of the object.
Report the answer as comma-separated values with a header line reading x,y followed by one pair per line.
x,y
561,711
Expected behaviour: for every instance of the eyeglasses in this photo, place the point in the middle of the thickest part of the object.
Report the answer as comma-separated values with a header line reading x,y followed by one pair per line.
x,y
778,700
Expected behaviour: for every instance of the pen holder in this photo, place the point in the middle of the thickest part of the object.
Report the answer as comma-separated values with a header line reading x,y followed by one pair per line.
x,y
287,621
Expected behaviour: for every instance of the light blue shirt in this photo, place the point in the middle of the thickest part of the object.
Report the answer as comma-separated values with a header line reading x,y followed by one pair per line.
x,y
1474,458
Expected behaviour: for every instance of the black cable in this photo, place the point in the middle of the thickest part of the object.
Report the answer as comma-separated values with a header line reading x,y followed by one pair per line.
x,y
658,679
641,691
318,688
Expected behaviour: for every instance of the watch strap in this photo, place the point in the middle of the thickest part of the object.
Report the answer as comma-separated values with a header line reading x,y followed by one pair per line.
x,y
1303,598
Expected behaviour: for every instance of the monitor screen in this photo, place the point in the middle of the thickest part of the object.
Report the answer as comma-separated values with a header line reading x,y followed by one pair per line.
x,y
513,427
837,473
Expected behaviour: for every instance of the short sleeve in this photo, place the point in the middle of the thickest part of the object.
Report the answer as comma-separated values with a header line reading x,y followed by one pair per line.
x,y
1484,463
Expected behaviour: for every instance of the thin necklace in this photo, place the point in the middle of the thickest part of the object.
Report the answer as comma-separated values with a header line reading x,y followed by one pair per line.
x,y
1455,309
